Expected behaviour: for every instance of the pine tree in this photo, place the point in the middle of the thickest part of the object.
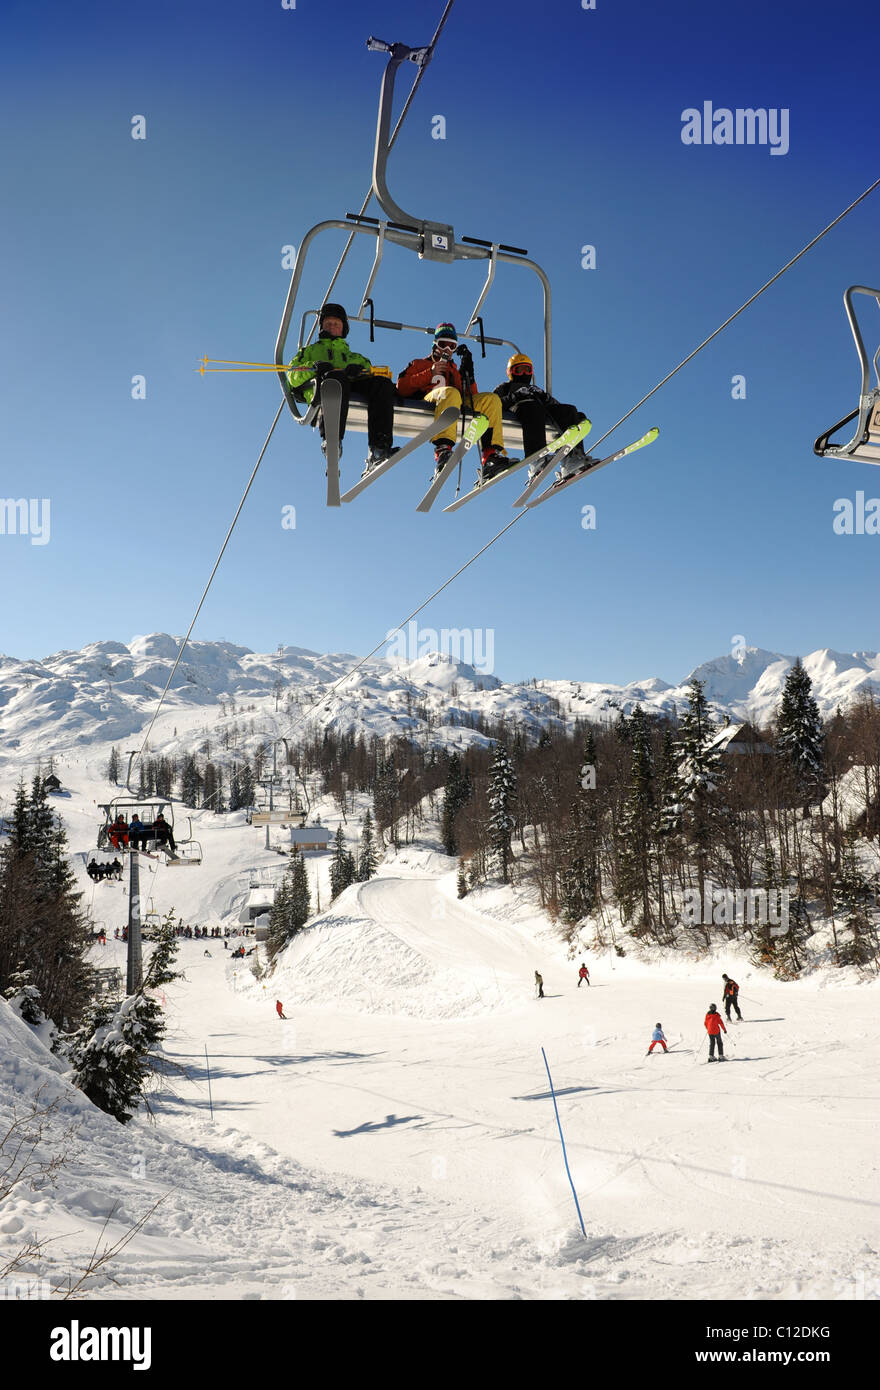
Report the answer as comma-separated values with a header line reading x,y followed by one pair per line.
x,y
42,928
292,906
502,797
853,899
636,823
113,767
367,857
698,776
190,782
111,1053
462,883
341,868
23,996
456,795
800,738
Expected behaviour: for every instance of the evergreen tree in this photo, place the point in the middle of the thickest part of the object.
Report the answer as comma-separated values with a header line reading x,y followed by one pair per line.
x,y
462,883
113,767
698,776
111,1053
23,996
456,794
800,738
341,868
636,824
385,797
42,928
190,782
367,857
300,896
502,797
853,899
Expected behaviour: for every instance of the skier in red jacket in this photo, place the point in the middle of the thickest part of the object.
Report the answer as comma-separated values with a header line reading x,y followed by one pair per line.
x,y
436,379
715,1027
279,1007
583,974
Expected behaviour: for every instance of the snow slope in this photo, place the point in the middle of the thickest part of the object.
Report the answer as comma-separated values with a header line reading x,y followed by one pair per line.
x,y
395,1137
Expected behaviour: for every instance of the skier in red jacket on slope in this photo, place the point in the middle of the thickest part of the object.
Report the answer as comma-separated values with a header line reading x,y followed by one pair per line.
x,y
715,1027
279,1007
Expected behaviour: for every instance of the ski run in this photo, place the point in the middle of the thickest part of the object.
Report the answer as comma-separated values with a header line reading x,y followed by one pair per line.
x,y
394,1136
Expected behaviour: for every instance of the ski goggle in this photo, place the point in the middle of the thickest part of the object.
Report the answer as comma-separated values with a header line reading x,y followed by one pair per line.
x,y
447,345
521,369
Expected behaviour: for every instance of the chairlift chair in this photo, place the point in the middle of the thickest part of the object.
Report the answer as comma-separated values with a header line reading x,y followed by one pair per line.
x,y
431,241
865,443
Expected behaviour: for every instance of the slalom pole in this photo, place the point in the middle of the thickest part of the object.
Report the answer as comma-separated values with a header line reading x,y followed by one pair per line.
x,y
562,1141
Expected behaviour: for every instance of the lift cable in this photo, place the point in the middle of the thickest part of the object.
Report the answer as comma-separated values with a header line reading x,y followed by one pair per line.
x,y
422,66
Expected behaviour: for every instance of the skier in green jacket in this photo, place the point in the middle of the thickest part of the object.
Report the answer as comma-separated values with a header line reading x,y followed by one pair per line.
x,y
331,358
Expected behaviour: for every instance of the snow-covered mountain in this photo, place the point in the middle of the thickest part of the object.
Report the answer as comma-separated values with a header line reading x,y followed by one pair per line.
x,y
108,691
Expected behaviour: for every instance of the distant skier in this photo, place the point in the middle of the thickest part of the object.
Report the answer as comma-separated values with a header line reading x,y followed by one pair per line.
x,y
731,997
279,1009
715,1027
658,1036
583,974
539,985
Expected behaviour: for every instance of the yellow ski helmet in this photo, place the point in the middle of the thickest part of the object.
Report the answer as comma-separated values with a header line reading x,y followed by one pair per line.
x,y
519,360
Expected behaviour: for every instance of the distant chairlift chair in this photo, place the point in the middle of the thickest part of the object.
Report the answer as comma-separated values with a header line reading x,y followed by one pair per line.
x,y
865,443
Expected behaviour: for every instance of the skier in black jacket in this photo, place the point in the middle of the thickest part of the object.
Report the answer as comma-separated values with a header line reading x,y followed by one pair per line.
x,y
535,409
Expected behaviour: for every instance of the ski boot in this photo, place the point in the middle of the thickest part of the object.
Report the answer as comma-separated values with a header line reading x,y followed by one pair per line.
x,y
578,461
441,457
379,454
324,448
495,461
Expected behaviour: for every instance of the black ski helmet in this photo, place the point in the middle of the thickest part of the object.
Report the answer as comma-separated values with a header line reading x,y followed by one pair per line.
x,y
711,1008
334,311
658,1025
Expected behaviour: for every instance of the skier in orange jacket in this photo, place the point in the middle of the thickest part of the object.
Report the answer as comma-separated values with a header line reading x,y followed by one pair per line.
x,y
715,1027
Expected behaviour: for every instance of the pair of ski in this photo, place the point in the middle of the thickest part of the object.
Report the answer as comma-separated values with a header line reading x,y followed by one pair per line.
x,y
331,405
474,430
540,463
331,409
553,454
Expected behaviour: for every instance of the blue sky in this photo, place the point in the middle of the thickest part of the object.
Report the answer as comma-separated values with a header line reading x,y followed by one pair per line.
x,y
124,257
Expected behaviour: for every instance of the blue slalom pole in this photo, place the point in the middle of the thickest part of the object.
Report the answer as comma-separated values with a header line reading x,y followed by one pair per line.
x,y
562,1141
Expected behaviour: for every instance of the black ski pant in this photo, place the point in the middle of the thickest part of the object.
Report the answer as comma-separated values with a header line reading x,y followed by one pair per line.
x,y
715,1040
378,391
534,417
731,1003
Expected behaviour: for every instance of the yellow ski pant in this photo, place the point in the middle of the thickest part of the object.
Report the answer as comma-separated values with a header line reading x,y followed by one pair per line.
x,y
486,402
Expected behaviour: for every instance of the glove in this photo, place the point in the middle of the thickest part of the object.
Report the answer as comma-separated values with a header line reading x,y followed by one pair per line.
x,y
353,370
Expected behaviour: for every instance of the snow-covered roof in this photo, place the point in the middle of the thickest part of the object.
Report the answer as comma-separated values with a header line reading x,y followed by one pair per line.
x,y
739,738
